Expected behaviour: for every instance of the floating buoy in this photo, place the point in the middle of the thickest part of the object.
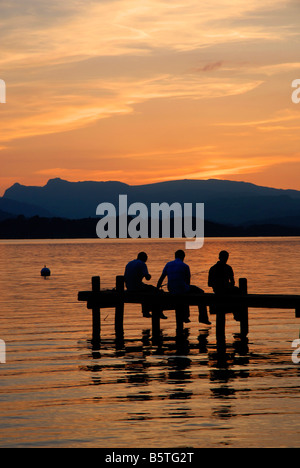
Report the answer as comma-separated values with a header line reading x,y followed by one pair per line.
x,y
45,272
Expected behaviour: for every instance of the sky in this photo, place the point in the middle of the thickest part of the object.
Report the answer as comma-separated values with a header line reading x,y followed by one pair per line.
x,y
143,91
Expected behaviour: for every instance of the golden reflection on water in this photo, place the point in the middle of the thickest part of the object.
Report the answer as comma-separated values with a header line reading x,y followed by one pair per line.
x,y
57,390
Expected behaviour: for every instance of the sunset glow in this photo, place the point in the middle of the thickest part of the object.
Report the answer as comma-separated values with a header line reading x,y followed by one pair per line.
x,y
146,90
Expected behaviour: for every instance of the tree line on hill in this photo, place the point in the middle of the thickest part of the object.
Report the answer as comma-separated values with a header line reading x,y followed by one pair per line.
x,y
37,227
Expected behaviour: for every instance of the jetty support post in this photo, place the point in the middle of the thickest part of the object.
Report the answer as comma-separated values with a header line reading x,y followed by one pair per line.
x,y
220,328
119,310
244,313
96,311
181,312
156,312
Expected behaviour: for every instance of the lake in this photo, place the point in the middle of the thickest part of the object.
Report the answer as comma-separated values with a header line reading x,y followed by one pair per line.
x,y
57,391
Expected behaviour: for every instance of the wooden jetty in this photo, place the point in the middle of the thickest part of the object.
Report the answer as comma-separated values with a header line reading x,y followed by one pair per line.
x,y
220,305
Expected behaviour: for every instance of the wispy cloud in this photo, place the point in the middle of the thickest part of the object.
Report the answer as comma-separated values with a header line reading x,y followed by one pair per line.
x,y
227,167
284,116
39,33
59,109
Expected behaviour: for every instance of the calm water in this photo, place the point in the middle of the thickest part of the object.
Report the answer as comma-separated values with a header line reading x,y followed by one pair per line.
x,y
57,391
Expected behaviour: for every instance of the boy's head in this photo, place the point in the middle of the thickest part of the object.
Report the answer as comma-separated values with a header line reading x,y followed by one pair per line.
x,y
143,257
180,254
224,256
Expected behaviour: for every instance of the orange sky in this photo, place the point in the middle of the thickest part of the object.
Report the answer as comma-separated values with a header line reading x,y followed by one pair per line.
x,y
149,90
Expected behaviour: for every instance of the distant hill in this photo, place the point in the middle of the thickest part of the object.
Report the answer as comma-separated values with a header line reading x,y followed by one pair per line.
x,y
73,200
288,221
5,215
226,202
11,207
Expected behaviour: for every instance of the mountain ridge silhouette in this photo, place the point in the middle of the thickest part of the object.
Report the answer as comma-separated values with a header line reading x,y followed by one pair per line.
x,y
226,202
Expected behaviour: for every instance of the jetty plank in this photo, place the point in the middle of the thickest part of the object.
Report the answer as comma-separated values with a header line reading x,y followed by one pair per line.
x,y
106,299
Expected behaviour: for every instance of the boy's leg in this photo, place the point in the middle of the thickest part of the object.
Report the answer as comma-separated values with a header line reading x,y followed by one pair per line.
x,y
203,314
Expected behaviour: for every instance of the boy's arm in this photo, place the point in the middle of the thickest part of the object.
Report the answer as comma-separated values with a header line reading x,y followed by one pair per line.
x,y
231,278
210,280
188,276
146,274
162,278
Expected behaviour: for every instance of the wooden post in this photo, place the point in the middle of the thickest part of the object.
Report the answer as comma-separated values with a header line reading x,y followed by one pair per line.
x,y
96,311
156,311
119,311
243,285
220,327
180,312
